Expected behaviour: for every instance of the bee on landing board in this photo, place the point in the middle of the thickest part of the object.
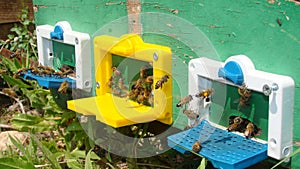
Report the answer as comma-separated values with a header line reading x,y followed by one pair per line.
x,y
252,130
235,123
161,81
196,147
243,125
184,101
63,87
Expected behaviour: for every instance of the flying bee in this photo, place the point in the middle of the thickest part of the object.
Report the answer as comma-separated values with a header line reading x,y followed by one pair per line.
x,y
63,87
161,81
191,114
205,93
244,91
184,101
116,72
243,102
10,92
196,147
245,95
252,130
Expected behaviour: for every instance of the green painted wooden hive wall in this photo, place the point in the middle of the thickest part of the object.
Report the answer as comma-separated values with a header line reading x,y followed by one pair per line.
x,y
233,27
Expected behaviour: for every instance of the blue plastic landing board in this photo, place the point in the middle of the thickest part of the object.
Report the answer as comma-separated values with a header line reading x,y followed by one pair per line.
x,y
223,149
48,81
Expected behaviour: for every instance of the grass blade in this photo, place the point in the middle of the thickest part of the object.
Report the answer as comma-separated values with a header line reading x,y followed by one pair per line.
x,y
88,163
285,159
20,146
13,163
47,153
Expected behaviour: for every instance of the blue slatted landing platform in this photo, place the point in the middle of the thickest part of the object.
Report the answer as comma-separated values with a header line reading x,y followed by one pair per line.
x,y
48,81
223,149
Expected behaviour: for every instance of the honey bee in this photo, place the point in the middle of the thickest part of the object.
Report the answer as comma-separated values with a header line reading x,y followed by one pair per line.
x,y
116,91
121,84
235,124
63,87
48,68
116,72
245,95
205,93
196,147
34,70
138,84
184,101
161,81
110,82
143,72
45,72
149,80
244,91
252,130
10,92
140,99
19,71
58,73
191,114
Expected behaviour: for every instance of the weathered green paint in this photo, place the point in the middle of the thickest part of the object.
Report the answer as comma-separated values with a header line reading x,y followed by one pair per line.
x,y
233,27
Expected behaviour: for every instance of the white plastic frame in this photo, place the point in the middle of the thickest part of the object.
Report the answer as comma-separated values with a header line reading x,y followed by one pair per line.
x,y
281,99
81,41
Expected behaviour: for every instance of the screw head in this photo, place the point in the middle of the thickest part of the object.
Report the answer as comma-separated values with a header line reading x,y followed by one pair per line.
x,y
267,90
155,56
97,84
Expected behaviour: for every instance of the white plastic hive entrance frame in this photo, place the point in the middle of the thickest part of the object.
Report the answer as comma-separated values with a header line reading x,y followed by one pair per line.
x,y
81,41
203,71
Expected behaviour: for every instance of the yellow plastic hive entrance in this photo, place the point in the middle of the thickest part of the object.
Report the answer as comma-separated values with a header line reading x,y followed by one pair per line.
x,y
114,110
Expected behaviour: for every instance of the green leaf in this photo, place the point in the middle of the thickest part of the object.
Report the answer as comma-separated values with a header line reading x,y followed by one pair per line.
x,y
9,64
12,81
10,36
203,164
88,163
74,164
13,163
27,119
74,126
20,146
47,153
